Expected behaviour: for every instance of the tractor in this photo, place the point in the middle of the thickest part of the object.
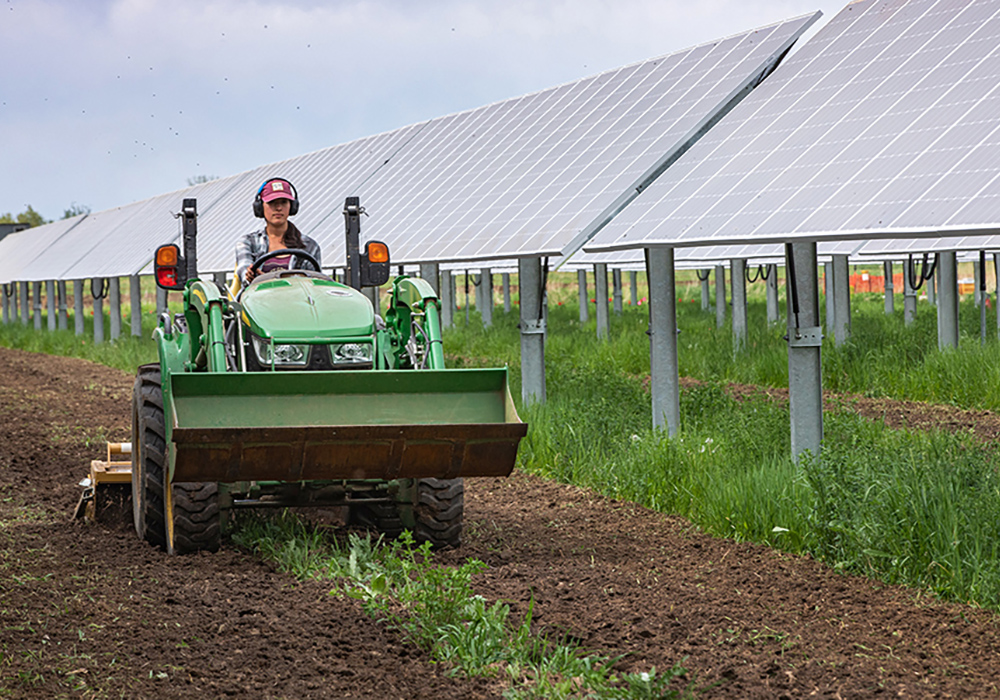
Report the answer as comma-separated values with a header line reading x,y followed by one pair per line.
x,y
294,391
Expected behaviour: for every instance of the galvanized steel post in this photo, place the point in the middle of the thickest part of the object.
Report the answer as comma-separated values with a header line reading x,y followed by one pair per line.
x,y
841,300
720,296
947,269
135,300
909,293
706,293
581,283
506,291
890,297
738,281
36,304
25,309
447,299
805,339
50,304
485,298
773,312
429,272
616,287
664,380
532,330
115,307
98,310
601,295
61,300
78,306
633,282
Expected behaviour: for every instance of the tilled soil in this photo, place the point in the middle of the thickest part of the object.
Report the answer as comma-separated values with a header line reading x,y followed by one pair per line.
x,y
87,610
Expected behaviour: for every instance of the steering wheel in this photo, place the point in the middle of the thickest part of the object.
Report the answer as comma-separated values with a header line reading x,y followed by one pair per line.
x,y
297,252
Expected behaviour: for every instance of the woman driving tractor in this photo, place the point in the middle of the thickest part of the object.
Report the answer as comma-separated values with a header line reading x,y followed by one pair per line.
x,y
275,202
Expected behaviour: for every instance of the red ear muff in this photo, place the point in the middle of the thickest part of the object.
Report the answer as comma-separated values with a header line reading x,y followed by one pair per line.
x,y
258,200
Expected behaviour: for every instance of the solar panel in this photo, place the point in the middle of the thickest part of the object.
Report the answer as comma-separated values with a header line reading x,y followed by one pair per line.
x,y
885,124
532,175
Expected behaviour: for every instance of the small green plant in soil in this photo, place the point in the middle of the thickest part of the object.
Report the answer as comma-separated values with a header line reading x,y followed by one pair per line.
x,y
436,608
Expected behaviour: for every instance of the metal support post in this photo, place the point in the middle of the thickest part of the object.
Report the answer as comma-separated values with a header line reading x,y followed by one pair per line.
x,y
773,313
98,311
429,272
78,307
633,285
720,296
63,321
532,330
601,295
977,278
25,301
805,339
50,304
738,282
447,299
162,303
931,287
664,380
829,293
36,304
996,276
506,291
5,303
909,293
115,307
135,301
485,298
706,293
841,300
890,297
947,269
616,287
584,301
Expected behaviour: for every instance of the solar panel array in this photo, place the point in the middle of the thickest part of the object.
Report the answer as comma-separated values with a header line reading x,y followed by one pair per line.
x,y
520,177
885,124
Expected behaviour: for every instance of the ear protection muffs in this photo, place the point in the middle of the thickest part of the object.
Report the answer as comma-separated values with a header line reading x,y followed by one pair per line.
x,y
258,201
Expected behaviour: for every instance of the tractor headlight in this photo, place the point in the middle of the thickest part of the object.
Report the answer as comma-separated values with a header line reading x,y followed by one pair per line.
x,y
351,354
284,355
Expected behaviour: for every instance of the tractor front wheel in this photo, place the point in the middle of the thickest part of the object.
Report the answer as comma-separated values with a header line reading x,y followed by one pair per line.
x,y
148,450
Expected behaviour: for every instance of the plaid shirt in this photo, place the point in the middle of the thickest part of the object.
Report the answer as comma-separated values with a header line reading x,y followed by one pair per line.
x,y
255,244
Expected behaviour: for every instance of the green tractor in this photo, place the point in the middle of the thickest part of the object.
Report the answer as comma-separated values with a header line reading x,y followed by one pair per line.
x,y
295,392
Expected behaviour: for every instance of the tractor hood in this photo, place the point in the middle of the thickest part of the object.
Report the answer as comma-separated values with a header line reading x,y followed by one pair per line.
x,y
299,307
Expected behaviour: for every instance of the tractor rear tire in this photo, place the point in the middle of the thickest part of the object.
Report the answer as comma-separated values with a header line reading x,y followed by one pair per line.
x,y
197,525
439,511
148,456
435,515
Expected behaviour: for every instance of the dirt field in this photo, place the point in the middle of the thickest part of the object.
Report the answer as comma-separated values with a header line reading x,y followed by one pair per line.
x,y
89,611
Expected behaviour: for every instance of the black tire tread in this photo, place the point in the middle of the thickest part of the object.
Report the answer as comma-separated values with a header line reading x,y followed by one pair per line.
x,y
439,511
149,442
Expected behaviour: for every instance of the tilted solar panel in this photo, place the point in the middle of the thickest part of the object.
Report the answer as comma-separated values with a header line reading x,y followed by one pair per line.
x,y
885,124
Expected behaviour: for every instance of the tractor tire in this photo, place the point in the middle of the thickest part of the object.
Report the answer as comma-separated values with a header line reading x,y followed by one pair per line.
x,y
197,523
439,511
382,517
148,456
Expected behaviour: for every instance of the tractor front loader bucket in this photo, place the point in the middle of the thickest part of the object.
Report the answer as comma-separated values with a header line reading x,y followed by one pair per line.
x,y
300,426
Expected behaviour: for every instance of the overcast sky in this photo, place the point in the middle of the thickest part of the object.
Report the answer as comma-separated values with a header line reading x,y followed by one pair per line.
x,y
105,102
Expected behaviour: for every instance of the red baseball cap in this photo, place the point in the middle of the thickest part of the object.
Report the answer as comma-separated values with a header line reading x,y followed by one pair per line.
x,y
277,189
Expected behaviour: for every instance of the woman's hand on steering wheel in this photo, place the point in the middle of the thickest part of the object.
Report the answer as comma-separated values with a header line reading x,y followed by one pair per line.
x,y
254,269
